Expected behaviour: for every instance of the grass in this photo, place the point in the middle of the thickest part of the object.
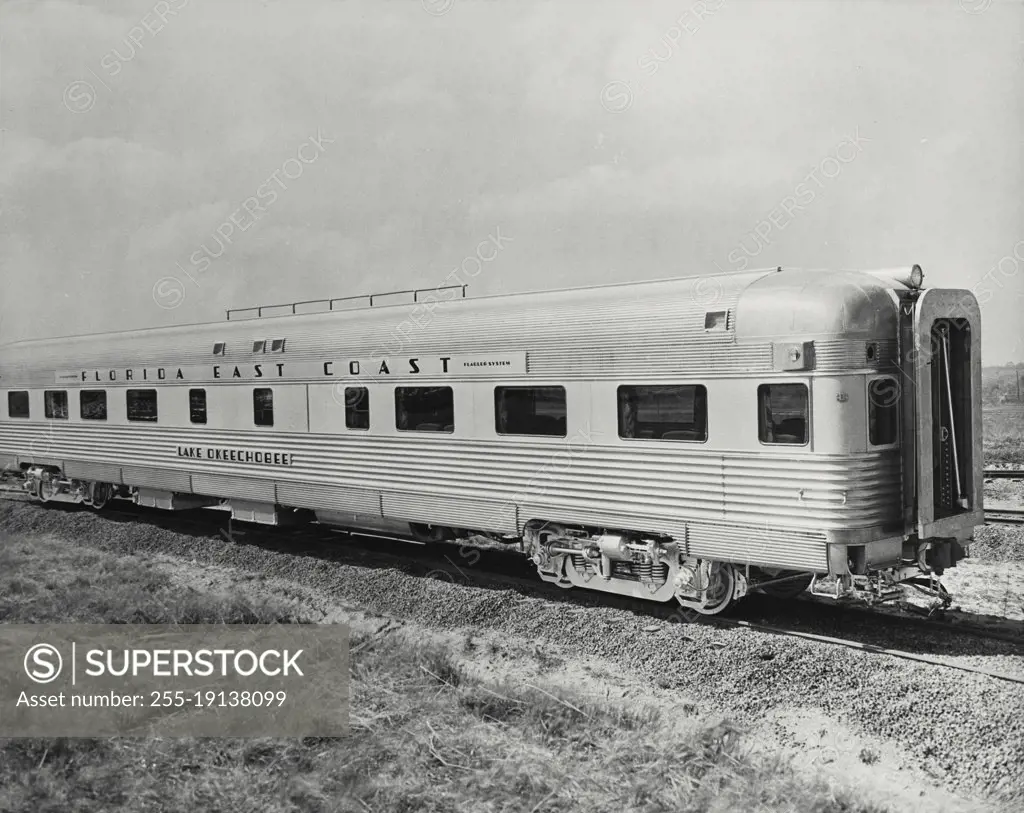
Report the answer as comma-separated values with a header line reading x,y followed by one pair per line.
x,y
427,734
999,384
49,581
1004,435
1003,421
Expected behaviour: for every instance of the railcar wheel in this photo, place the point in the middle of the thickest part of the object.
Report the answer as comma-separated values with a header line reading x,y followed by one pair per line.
x,y
721,580
721,584
99,495
788,589
48,489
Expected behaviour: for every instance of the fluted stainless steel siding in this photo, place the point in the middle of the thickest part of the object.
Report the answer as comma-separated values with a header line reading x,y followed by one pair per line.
x,y
457,510
104,472
330,497
497,486
760,546
165,479
845,354
256,489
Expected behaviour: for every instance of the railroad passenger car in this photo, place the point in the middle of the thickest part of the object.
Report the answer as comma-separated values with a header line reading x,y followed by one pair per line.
x,y
690,438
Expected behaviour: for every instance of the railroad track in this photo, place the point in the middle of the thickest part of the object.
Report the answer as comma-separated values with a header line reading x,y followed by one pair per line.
x,y
1004,474
878,650
500,566
1005,516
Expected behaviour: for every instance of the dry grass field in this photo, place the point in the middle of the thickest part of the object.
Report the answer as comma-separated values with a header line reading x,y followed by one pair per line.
x,y
1003,417
1004,434
427,733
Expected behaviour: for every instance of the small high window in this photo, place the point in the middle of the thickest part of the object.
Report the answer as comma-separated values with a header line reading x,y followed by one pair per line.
x,y
277,346
17,404
141,405
92,405
263,406
55,404
197,406
357,408
657,412
259,347
716,320
783,414
425,409
530,411
883,411
219,348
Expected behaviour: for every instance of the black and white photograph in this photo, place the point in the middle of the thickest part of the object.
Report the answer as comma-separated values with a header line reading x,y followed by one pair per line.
x,y
511,406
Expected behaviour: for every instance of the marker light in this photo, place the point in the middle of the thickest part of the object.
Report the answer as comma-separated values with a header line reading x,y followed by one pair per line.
x,y
916,277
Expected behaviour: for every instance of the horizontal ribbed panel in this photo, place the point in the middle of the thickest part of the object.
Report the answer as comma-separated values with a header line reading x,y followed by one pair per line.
x,y
676,353
40,460
329,497
103,472
749,508
810,491
764,546
456,511
839,355
246,488
165,479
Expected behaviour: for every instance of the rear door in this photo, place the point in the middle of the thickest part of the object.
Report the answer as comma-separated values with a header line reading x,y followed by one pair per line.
x,y
947,402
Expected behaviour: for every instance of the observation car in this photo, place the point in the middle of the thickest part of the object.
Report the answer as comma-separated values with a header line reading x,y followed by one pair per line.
x,y
687,439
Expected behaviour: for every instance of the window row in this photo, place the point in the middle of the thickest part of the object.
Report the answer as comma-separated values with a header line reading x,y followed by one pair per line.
x,y
258,346
653,412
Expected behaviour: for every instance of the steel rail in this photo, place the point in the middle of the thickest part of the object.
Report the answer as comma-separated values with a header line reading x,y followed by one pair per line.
x,y
877,650
1004,474
1005,516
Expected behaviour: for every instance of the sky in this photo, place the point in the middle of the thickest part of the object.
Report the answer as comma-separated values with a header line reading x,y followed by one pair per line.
x,y
162,161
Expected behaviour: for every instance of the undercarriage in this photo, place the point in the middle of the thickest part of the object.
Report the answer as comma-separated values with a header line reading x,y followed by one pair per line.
x,y
632,565
649,567
50,485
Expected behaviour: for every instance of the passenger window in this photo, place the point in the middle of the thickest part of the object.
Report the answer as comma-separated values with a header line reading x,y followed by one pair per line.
x,y
92,405
17,404
883,411
530,411
357,408
197,406
55,404
425,409
141,405
263,406
783,413
674,412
